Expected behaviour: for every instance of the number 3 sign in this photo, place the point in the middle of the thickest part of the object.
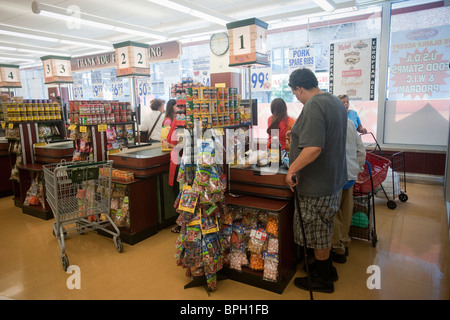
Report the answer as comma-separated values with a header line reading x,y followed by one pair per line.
x,y
57,69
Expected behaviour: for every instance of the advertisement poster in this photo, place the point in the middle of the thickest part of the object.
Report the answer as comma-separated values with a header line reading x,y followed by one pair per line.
x,y
201,70
353,69
419,64
301,58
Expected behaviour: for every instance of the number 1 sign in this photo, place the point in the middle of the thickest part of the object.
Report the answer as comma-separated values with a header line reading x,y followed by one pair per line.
x,y
248,42
57,69
132,59
9,76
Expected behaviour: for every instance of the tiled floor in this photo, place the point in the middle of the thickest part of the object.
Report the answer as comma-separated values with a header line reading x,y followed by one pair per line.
x,y
412,255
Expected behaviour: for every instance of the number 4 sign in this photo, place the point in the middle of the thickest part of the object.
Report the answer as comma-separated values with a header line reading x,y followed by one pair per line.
x,y
9,76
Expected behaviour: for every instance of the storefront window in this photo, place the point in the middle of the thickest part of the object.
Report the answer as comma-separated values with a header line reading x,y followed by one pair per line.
x,y
418,105
32,81
319,33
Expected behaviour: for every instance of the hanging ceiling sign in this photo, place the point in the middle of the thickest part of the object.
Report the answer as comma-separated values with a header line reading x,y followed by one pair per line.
x,y
96,61
9,76
248,43
57,69
132,59
164,51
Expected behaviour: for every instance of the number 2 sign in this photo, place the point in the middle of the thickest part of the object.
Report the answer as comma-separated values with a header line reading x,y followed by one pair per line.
x,y
132,59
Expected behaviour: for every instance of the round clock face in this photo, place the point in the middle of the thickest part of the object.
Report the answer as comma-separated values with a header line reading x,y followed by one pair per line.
x,y
219,43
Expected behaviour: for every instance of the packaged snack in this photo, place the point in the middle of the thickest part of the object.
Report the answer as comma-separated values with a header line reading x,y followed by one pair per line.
x,y
270,267
272,245
257,240
202,175
237,236
272,223
249,217
227,215
188,200
256,261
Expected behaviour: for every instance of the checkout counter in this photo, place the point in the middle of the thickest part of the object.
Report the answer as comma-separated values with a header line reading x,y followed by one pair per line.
x,y
264,189
151,198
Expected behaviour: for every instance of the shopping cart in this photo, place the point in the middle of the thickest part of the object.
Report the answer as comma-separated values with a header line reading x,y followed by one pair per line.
x,y
395,181
363,219
79,196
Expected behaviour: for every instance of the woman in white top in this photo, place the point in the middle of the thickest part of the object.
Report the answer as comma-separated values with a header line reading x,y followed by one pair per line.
x,y
152,122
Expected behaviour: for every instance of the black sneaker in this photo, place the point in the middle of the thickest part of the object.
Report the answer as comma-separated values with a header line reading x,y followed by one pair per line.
x,y
317,284
338,258
333,272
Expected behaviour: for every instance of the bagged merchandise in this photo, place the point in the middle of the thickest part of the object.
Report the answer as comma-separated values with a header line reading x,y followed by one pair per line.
x,y
119,211
238,259
270,267
257,240
35,194
256,261
272,223
199,248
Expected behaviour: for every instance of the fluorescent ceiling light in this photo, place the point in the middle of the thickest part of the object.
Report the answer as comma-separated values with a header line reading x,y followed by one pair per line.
x,y
26,35
195,10
327,5
80,43
94,21
56,38
8,48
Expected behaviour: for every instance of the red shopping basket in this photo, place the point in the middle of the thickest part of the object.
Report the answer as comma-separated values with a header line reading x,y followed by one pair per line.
x,y
378,168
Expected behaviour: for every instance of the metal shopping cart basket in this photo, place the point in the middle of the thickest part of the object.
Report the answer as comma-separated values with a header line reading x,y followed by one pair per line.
x,y
79,196
394,185
363,219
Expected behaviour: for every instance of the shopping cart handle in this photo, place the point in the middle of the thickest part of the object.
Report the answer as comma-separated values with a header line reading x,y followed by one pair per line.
x,y
368,167
86,164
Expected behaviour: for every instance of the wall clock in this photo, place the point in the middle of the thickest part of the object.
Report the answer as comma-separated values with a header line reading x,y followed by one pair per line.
x,y
218,43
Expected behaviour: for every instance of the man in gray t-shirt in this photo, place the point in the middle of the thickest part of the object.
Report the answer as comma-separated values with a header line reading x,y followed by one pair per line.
x,y
317,159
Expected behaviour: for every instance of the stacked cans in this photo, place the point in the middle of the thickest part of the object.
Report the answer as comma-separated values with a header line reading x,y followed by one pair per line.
x,y
32,110
99,112
212,107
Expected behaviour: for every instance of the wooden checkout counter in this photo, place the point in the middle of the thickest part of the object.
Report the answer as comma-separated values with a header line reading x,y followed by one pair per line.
x,y
151,198
264,188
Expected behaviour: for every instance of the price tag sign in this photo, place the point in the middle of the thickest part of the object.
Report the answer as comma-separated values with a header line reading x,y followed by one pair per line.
x,y
261,78
10,125
102,127
72,127
83,129
9,76
117,87
258,234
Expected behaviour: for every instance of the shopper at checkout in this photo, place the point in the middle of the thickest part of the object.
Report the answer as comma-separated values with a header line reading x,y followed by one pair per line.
x,y
317,159
152,123
356,158
352,114
279,120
